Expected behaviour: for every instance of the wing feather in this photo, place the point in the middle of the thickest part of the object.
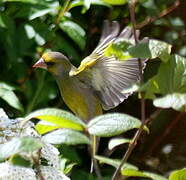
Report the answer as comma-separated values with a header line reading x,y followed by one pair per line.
x,y
108,76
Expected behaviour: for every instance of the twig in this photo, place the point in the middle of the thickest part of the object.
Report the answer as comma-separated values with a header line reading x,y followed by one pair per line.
x,y
62,12
153,116
149,20
132,145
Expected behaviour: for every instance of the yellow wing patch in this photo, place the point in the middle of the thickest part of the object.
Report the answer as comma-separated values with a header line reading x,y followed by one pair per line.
x,y
86,63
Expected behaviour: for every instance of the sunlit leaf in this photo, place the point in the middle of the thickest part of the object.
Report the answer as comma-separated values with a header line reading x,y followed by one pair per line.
x,y
43,127
117,141
169,80
115,2
151,49
7,94
18,145
112,124
114,162
119,49
30,31
65,136
137,173
24,1
39,13
86,4
69,167
75,32
76,3
178,175
58,117
176,101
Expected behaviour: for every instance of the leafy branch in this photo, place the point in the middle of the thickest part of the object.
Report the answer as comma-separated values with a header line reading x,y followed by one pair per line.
x,y
136,137
60,14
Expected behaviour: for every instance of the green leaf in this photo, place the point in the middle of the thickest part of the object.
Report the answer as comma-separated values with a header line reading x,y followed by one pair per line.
x,y
58,117
43,127
119,49
65,136
133,173
151,49
2,24
114,162
115,2
112,124
29,31
170,79
178,175
117,141
69,167
18,160
7,94
24,1
137,173
176,101
75,32
18,145
131,89
86,4
77,3
39,12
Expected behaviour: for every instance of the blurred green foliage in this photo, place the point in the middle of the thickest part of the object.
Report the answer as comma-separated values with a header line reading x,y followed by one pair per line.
x,y
30,27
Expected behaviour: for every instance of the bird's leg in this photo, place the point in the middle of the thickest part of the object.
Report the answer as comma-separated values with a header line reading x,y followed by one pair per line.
x,y
93,150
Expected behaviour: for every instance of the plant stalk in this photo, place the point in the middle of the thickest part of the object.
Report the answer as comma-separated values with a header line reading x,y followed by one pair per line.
x,y
132,145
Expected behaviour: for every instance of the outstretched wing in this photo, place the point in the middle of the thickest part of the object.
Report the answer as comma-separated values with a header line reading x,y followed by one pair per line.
x,y
106,74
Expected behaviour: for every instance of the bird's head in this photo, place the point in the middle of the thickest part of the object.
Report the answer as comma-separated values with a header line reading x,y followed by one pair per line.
x,y
54,62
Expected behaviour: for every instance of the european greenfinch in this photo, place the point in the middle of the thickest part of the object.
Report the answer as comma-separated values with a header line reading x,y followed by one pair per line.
x,y
99,81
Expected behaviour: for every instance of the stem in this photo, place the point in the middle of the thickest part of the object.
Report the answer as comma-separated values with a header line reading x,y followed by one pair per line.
x,y
164,13
132,145
62,12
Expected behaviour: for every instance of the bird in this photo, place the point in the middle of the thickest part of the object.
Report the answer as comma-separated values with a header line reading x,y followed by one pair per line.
x,y
98,83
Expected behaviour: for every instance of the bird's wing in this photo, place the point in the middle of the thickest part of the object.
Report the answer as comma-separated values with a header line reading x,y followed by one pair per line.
x,y
106,74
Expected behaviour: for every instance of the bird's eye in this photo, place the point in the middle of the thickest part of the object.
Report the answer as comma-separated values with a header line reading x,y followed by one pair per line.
x,y
50,63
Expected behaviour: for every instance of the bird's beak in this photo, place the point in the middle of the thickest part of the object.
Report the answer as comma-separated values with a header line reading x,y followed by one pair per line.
x,y
40,64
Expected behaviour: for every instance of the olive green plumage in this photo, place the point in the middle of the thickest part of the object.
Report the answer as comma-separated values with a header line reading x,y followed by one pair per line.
x,y
99,81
